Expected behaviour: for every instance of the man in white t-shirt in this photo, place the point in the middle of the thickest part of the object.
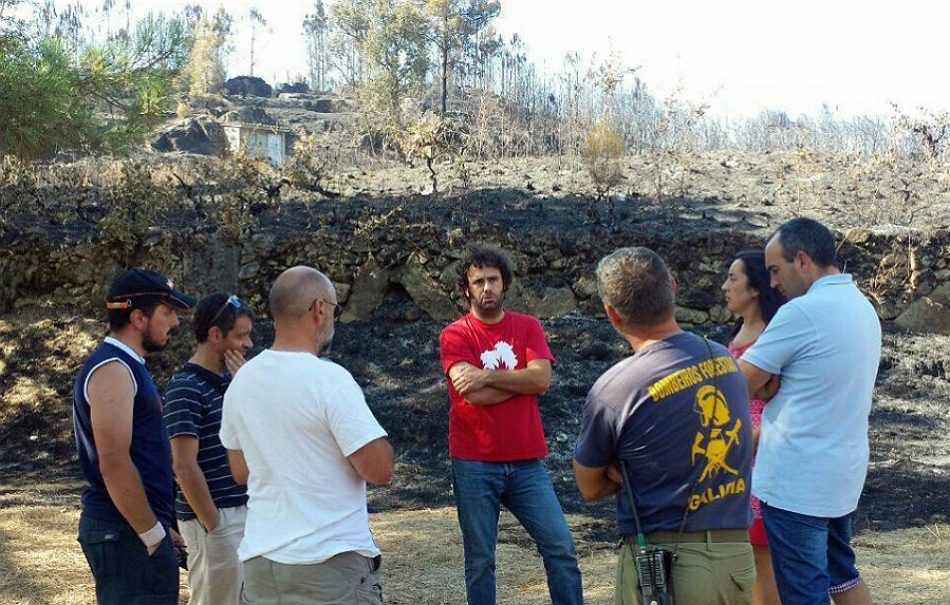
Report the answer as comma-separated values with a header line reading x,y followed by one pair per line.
x,y
299,433
821,352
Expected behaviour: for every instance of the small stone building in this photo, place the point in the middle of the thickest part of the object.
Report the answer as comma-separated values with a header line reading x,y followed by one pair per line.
x,y
260,140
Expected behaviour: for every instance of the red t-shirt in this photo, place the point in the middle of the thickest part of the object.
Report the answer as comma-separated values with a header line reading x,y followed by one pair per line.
x,y
510,430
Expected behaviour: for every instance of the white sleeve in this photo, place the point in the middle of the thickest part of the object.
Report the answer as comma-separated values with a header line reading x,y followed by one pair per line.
x,y
351,421
227,433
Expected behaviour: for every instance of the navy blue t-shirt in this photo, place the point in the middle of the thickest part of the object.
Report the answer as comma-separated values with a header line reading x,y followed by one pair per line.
x,y
193,402
653,411
149,449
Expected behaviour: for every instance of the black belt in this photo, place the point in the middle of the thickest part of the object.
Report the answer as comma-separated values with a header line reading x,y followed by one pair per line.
x,y
710,536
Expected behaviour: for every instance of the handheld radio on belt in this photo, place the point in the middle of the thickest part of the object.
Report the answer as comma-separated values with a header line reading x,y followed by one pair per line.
x,y
653,564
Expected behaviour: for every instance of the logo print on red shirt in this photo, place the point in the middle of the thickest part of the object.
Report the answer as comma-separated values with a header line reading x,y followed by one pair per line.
x,y
502,354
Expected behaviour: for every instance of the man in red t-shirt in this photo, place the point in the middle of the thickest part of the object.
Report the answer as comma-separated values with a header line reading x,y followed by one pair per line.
x,y
497,363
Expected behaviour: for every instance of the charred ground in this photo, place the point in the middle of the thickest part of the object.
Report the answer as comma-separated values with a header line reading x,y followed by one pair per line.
x,y
397,364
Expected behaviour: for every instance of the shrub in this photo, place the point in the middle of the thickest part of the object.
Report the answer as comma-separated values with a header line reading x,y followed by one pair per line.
x,y
605,148
310,164
428,139
137,203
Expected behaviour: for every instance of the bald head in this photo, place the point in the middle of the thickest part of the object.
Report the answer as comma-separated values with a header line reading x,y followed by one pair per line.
x,y
295,290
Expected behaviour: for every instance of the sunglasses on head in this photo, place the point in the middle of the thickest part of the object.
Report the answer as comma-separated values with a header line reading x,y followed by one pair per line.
x,y
232,301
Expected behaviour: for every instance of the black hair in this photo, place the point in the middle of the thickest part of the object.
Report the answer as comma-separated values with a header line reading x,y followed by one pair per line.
x,y
808,236
758,278
481,258
119,318
214,311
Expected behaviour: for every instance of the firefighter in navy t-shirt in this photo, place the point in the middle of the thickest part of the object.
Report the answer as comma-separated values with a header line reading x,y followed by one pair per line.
x,y
675,415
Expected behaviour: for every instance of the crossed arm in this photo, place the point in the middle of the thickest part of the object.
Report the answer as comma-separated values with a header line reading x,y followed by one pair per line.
x,y
488,387
603,481
762,385
597,482
373,462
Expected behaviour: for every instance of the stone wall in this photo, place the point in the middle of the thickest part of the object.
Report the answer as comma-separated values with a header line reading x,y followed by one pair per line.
x,y
399,262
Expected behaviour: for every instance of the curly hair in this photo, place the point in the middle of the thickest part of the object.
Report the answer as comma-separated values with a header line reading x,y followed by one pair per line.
x,y
483,257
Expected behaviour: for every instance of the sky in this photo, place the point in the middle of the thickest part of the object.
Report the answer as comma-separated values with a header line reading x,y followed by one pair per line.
x,y
738,56
743,56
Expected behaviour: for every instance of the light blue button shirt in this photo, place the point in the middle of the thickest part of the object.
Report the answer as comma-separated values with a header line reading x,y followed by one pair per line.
x,y
813,447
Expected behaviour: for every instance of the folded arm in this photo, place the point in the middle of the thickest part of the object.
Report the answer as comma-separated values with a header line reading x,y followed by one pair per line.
x,y
762,385
374,461
485,387
596,482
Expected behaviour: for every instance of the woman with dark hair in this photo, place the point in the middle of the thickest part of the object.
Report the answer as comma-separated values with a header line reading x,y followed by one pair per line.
x,y
750,295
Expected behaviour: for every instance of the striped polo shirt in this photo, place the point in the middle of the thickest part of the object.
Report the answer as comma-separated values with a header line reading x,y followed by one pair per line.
x,y
193,401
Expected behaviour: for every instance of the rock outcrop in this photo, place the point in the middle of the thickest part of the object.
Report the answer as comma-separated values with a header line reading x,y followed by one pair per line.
x,y
248,86
202,135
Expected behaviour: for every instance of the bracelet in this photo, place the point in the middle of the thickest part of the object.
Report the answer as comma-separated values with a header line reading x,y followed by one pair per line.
x,y
153,536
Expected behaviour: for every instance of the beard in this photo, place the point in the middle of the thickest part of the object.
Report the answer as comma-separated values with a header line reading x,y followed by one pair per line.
x,y
492,309
153,346
324,347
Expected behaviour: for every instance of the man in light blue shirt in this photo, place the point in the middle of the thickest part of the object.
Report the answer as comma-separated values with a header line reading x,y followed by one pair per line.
x,y
815,364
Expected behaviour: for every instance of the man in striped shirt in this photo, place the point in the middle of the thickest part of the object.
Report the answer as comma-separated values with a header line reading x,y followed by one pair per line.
x,y
210,506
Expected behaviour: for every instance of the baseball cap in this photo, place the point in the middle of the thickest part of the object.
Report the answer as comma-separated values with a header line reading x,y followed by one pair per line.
x,y
139,287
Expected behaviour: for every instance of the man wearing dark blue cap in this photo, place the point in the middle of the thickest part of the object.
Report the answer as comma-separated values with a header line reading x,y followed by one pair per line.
x,y
124,453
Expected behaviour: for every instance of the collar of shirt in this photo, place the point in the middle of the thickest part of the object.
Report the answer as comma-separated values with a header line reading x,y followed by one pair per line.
x,y
217,381
831,280
115,342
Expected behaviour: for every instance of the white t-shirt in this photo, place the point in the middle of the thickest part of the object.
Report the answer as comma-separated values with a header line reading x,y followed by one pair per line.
x,y
296,418
813,446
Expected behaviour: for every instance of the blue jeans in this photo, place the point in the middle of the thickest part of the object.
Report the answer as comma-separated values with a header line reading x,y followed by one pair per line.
x,y
812,556
124,572
525,490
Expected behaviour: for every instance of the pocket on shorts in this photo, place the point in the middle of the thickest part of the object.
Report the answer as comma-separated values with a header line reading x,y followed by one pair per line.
x,y
370,589
101,547
744,578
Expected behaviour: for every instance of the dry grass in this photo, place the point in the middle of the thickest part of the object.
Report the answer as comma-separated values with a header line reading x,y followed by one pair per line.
x,y
422,560
908,565
41,563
